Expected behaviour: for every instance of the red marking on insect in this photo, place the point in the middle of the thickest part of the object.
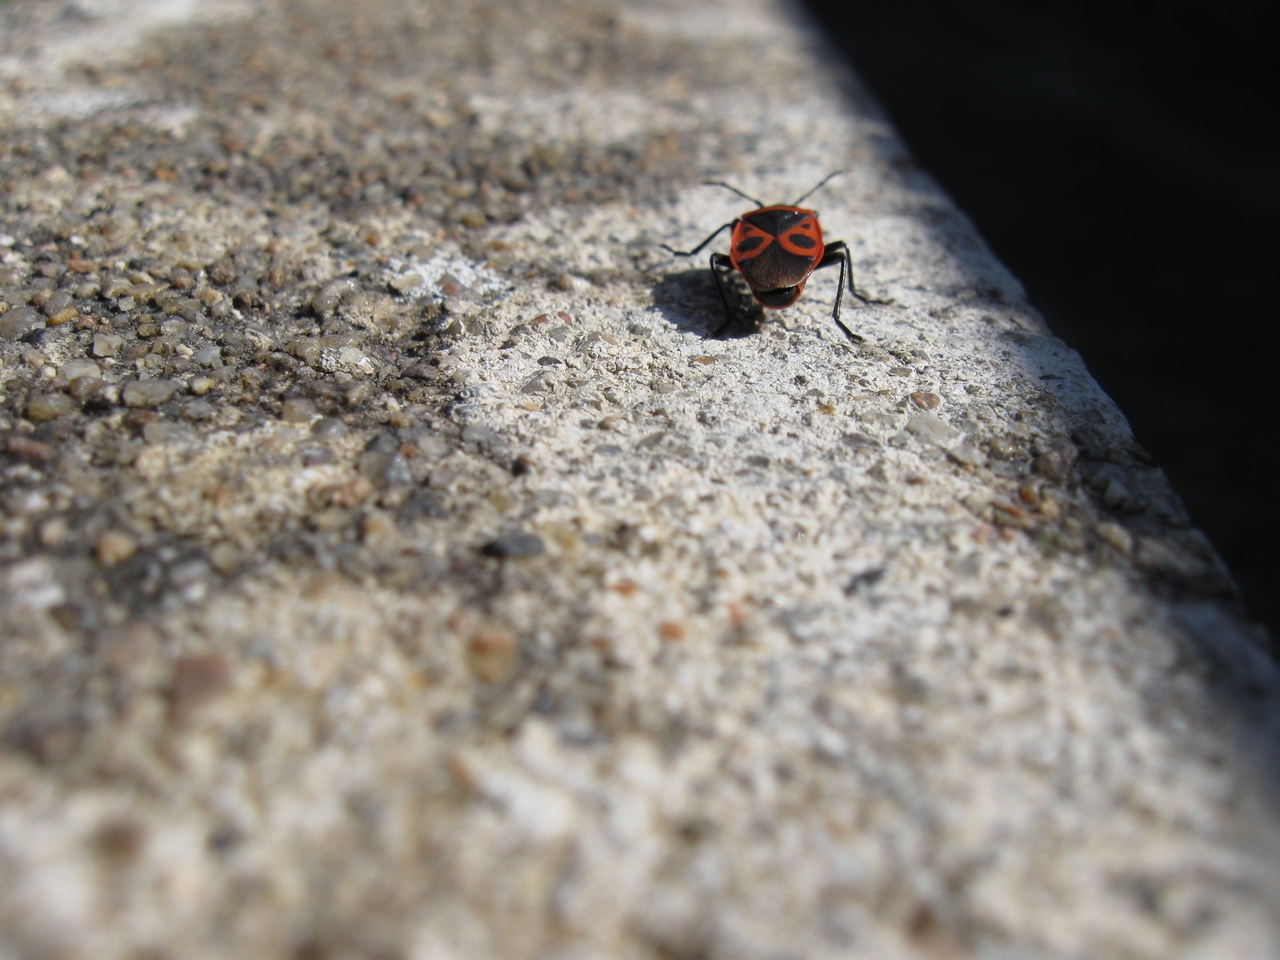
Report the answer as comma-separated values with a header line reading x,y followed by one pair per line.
x,y
776,249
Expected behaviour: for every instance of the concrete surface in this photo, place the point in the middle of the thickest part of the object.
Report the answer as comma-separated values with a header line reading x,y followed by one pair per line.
x,y
392,570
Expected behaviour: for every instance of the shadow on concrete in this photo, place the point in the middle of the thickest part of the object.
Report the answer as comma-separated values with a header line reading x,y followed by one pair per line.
x,y
689,302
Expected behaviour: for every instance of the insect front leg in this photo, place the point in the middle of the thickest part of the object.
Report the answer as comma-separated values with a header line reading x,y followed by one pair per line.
x,y
719,263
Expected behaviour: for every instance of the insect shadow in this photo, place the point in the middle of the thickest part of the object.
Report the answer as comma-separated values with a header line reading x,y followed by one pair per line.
x,y
688,301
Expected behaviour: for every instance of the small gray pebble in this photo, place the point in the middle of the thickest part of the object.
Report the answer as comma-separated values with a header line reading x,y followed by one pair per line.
x,y
383,443
511,546
421,371
18,321
330,428
198,410
57,303
148,393
317,456
477,433
327,298
857,440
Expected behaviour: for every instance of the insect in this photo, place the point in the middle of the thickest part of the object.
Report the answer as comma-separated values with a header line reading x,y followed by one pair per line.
x,y
776,249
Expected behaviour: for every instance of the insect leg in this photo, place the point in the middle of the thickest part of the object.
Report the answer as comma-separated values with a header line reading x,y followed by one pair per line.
x,y
720,261
838,252
699,247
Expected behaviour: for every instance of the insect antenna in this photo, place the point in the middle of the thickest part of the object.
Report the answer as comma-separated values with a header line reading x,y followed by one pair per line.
x,y
729,186
821,184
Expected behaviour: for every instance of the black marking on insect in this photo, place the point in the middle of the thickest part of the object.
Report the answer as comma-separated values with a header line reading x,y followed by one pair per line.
x,y
777,249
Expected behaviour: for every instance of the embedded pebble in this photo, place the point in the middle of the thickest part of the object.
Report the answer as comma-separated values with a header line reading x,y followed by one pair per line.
x,y
933,429
54,532
56,303
328,297
17,321
1002,449
199,410
1052,464
328,428
967,454
63,316
298,410
107,344
490,652
49,406
148,393
74,369
513,546
198,680
166,431
1116,535
82,388
114,547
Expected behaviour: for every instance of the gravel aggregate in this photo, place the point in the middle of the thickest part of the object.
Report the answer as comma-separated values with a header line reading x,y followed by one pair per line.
x,y
392,567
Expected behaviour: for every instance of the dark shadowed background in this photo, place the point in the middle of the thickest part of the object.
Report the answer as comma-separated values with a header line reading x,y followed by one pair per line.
x,y
1123,158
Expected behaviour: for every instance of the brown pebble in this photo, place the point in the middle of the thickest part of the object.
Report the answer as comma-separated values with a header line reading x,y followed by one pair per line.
x,y
1029,494
49,406
114,547
671,630
53,532
1002,449
1050,509
490,651
352,493
63,316
198,680
118,842
926,401
704,360
1052,465
25,448
379,530
624,587
1007,515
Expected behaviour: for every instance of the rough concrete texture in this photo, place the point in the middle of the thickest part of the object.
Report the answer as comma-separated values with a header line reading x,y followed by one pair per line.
x,y
392,569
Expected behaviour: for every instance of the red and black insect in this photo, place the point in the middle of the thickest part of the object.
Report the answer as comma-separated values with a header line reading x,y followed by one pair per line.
x,y
776,249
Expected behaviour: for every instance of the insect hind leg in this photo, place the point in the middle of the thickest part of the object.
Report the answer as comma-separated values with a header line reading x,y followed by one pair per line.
x,y
838,253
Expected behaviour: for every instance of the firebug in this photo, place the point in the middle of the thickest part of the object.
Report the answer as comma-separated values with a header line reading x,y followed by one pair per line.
x,y
776,249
